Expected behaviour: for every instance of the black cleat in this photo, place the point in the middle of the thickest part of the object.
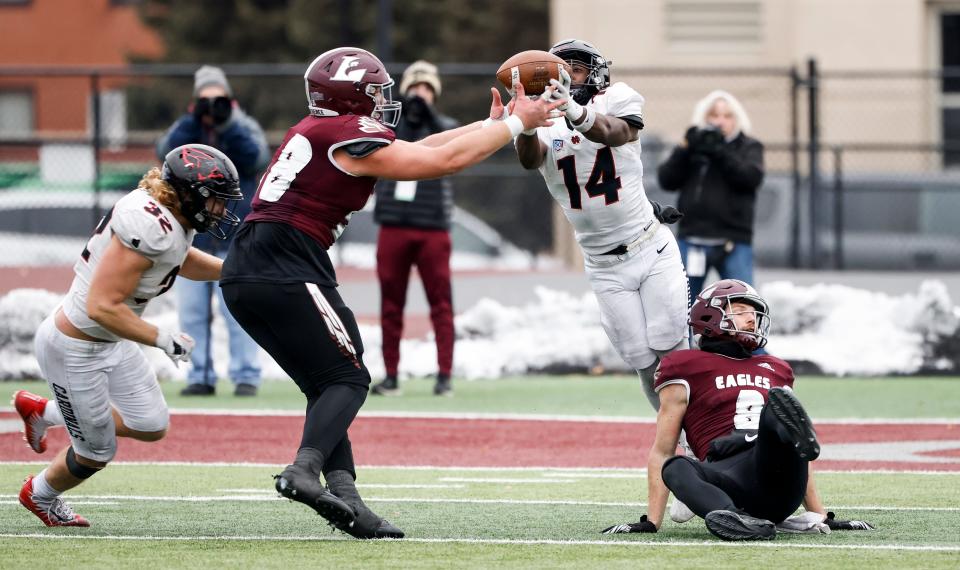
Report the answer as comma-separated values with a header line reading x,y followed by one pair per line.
x,y
795,421
369,525
298,484
198,390
443,387
245,390
730,525
388,387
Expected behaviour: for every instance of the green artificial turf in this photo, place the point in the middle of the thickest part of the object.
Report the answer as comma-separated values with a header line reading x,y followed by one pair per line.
x,y
824,398
229,516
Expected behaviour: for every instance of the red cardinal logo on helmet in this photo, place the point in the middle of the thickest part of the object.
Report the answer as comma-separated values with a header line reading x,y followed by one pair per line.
x,y
206,166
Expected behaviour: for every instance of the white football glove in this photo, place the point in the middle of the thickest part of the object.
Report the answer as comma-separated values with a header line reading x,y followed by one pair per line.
x,y
807,522
177,345
561,90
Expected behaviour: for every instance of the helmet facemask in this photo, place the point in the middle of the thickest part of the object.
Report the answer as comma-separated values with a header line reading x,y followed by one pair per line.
x,y
385,109
207,187
207,211
751,340
598,73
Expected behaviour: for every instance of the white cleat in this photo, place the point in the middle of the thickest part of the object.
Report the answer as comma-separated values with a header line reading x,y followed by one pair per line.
x,y
679,512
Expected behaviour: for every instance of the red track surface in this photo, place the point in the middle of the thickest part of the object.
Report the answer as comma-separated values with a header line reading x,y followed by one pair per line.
x,y
489,443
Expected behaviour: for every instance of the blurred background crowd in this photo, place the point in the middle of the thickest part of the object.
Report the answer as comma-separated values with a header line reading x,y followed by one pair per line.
x,y
860,123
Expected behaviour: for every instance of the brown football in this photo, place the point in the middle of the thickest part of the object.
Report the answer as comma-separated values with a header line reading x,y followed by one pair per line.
x,y
533,68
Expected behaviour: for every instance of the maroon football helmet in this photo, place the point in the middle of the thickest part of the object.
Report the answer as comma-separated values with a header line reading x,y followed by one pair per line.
x,y
711,315
351,81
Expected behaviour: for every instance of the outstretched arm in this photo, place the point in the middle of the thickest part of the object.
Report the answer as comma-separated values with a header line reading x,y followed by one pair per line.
x,y
409,161
442,138
811,499
673,405
201,266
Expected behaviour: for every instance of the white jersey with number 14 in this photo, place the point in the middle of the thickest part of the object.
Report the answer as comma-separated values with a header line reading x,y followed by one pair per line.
x,y
600,188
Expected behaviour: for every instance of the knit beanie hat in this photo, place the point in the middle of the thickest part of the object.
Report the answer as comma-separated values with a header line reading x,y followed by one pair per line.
x,y
210,75
420,72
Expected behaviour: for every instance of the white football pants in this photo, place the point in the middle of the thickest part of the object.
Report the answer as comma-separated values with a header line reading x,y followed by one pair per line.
x,y
87,378
643,298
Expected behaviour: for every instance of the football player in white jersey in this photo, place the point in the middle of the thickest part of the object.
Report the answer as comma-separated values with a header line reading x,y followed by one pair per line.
x,y
590,160
102,384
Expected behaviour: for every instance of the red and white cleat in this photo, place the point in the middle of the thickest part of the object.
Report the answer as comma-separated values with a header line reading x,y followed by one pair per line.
x,y
52,513
31,407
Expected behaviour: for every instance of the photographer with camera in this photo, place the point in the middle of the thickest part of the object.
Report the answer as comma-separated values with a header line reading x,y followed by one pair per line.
x,y
214,118
414,218
717,169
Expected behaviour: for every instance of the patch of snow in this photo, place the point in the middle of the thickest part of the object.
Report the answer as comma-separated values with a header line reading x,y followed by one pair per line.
x,y
842,330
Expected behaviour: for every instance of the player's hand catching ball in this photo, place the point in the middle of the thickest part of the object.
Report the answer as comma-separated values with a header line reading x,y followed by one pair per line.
x,y
533,112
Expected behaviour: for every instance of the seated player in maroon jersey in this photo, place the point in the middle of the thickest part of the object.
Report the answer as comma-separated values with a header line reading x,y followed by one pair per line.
x,y
752,437
280,284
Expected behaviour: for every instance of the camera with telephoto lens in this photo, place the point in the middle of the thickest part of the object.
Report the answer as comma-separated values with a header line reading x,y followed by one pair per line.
x,y
416,111
218,108
706,140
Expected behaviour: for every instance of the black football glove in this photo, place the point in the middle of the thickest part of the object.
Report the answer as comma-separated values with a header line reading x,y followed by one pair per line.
x,y
835,524
642,526
666,214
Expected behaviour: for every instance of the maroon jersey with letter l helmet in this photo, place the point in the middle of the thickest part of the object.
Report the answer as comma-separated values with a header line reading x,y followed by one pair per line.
x,y
305,188
723,393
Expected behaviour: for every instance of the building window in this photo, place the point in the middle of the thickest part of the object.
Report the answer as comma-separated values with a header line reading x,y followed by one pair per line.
x,y
950,59
710,26
113,117
16,114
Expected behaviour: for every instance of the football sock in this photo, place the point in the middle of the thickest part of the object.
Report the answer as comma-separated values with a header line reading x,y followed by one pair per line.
x,y
310,459
42,489
646,380
51,414
342,484
341,459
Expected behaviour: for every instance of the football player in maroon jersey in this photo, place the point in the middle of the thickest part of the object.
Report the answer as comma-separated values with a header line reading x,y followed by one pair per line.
x,y
753,439
278,280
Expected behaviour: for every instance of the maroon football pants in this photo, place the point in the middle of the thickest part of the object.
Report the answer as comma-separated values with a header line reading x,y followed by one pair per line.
x,y
398,250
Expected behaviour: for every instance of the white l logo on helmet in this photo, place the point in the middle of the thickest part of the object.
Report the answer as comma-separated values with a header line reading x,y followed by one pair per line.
x,y
343,75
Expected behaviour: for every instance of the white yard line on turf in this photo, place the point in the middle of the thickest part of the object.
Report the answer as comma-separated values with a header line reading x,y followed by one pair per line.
x,y
503,480
71,502
529,417
520,416
366,486
639,471
613,542
267,495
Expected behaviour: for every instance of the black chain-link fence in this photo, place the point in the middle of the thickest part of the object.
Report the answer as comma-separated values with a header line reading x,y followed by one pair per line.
x,y
882,195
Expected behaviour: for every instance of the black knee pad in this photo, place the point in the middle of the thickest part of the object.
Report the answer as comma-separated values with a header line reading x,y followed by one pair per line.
x,y
673,470
77,470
